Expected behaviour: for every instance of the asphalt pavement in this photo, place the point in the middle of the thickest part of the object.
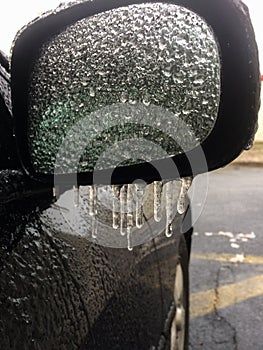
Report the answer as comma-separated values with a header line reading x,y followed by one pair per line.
x,y
226,269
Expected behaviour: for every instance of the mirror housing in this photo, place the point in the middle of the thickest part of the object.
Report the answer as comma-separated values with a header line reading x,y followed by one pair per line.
x,y
236,122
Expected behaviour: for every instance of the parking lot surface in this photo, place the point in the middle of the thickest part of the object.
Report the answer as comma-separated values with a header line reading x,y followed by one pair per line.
x,y
226,270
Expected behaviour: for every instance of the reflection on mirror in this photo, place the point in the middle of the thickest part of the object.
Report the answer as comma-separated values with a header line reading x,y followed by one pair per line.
x,y
148,72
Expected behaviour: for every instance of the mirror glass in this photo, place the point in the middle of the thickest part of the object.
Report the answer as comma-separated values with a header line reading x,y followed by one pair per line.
x,y
133,84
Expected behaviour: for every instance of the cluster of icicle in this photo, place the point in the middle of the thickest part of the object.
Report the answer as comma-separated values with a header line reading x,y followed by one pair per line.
x,y
127,205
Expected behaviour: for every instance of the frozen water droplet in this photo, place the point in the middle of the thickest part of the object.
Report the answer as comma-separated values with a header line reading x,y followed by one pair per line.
x,y
169,230
102,73
162,44
169,68
167,73
146,103
124,97
115,207
146,100
157,199
76,196
123,209
250,144
199,81
132,102
92,92
177,80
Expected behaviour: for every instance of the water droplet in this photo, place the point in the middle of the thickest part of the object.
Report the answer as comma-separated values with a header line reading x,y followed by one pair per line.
x,y
157,200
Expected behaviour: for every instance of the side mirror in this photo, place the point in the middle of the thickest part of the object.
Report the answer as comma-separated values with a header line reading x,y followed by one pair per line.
x,y
116,91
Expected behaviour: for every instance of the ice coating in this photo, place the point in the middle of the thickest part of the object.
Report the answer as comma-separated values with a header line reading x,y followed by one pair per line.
x,y
138,57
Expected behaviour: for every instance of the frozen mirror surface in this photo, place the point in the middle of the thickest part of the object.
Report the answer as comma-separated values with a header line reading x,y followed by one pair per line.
x,y
148,72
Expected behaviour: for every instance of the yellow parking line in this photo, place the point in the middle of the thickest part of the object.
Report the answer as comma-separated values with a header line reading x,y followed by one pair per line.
x,y
248,259
203,303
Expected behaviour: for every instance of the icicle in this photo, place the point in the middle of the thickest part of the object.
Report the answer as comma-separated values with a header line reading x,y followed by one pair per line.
x,y
139,188
130,206
169,208
115,207
94,226
93,209
76,196
56,192
157,201
130,247
169,201
181,200
123,209
187,182
181,204
92,200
